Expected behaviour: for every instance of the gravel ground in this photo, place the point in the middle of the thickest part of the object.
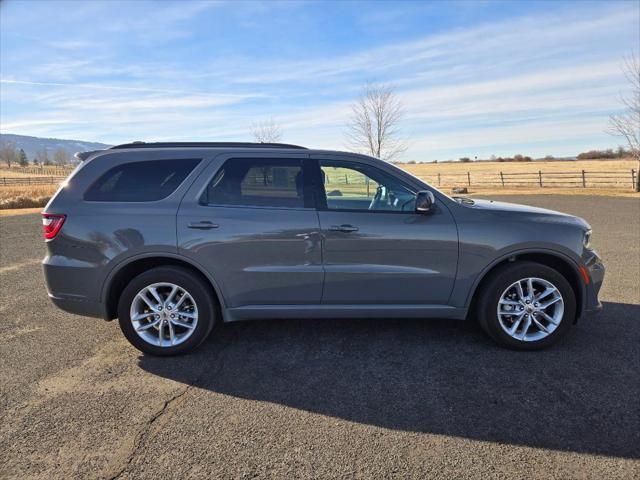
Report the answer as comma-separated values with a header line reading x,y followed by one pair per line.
x,y
322,399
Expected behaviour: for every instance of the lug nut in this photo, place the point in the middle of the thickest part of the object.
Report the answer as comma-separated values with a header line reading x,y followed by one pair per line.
x,y
169,308
173,316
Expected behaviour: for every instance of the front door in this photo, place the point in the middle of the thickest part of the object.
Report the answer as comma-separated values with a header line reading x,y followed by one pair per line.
x,y
252,224
376,248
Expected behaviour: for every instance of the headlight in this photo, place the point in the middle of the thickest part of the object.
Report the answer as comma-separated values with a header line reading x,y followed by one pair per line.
x,y
586,241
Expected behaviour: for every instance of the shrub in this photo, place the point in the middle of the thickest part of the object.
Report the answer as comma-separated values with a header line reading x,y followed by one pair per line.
x,y
465,159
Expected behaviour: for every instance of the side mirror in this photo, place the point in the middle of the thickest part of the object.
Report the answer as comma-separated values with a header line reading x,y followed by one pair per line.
x,y
425,202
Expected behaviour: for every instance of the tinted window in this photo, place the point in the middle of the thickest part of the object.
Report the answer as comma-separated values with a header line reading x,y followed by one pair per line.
x,y
258,182
360,187
140,181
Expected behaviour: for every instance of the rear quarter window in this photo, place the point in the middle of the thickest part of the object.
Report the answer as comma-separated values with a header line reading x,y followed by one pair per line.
x,y
140,181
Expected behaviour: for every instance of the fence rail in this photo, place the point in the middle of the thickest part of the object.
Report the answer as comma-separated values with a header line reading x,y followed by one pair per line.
x,y
581,178
11,181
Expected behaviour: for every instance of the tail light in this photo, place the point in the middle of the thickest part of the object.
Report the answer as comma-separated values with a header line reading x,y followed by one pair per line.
x,y
51,224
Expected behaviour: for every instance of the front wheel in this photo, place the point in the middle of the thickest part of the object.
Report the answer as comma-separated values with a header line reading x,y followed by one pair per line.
x,y
527,306
166,311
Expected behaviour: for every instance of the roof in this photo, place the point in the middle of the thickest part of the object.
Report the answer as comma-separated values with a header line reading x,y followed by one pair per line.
x,y
204,145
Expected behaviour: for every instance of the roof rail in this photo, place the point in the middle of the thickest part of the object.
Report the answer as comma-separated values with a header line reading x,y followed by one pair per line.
x,y
204,145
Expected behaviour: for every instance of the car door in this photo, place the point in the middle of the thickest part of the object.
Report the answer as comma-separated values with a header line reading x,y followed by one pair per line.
x,y
376,248
252,224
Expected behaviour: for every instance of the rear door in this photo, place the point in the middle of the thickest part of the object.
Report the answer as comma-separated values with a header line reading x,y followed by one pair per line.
x,y
376,248
250,221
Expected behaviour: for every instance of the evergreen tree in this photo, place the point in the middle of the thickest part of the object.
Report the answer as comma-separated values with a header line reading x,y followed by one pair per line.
x,y
22,158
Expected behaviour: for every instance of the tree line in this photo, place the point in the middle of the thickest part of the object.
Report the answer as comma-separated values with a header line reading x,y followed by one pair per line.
x,y
10,155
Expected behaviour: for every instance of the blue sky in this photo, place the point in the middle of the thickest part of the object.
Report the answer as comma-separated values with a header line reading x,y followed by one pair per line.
x,y
476,78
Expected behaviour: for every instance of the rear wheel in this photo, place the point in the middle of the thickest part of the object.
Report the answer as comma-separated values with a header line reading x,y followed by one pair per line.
x,y
527,306
166,311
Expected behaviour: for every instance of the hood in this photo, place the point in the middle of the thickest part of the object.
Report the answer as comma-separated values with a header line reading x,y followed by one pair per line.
x,y
517,209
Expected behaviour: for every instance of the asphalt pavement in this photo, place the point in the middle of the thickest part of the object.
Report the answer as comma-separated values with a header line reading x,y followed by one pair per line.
x,y
322,398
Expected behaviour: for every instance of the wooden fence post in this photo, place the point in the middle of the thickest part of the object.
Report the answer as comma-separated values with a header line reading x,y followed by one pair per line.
x,y
584,180
469,178
540,176
438,179
633,177
502,178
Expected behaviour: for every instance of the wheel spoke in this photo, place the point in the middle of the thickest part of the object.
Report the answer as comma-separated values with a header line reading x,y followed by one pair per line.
x,y
540,325
147,326
527,324
172,334
505,301
144,298
521,294
180,301
160,333
516,324
171,295
530,287
142,316
155,294
549,318
550,302
180,323
545,294
188,314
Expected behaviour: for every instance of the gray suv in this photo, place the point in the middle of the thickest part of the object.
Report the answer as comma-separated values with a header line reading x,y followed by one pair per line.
x,y
175,238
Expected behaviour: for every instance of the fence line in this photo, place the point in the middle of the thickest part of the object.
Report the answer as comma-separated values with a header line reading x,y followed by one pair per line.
x,y
10,181
582,178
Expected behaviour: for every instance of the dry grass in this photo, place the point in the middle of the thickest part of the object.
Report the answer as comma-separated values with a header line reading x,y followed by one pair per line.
x,y
25,196
19,211
623,165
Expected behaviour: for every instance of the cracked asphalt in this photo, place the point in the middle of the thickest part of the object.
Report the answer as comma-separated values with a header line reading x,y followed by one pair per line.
x,y
322,399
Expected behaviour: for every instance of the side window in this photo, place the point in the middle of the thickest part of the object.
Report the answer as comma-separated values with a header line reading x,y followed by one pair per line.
x,y
360,187
258,183
140,181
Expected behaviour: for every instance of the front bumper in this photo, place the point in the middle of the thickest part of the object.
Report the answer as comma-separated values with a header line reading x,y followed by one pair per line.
x,y
596,270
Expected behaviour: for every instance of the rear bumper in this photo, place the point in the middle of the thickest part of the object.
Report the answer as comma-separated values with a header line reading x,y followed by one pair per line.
x,y
78,306
70,287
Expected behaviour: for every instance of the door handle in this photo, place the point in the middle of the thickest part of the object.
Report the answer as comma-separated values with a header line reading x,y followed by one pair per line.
x,y
204,225
343,228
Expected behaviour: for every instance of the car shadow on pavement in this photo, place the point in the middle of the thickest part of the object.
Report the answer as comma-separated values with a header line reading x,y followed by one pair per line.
x,y
433,376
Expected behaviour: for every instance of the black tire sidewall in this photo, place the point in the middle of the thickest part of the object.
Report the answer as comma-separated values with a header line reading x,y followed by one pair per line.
x,y
505,277
183,278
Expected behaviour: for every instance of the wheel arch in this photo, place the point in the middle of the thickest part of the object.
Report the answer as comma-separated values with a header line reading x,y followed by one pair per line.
x,y
559,262
119,277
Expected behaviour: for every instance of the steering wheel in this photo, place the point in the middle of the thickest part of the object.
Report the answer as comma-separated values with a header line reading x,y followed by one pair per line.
x,y
380,193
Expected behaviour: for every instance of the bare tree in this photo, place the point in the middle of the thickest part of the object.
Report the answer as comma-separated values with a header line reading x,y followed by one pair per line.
x,y
268,131
8,153
42,156
627,124
374,124
61,157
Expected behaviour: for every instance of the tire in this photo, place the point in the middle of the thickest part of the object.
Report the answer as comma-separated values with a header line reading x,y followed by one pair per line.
x,y
198,303
504,282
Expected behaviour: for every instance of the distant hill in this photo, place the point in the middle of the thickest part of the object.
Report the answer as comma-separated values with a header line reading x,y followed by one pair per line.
x,y
31,145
